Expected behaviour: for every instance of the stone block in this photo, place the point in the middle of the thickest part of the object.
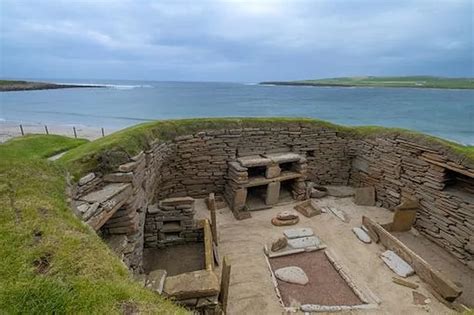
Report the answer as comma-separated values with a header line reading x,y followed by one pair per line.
x,y
86,179
365,196
272,171
273,193
240,196
196,284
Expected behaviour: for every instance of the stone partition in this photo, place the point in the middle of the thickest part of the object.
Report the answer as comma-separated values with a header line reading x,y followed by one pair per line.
x,y
197,164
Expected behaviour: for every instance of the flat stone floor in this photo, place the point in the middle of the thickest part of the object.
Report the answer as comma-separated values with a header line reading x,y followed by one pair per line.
x,y
251,288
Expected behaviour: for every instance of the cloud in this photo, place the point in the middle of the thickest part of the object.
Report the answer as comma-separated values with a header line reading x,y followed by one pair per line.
x,y
234,40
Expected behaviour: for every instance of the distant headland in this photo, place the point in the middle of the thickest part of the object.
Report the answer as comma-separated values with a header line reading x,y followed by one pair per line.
x,y
371,81
13,85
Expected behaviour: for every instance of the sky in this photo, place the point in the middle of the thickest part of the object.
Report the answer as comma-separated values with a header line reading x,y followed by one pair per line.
x,y
239,41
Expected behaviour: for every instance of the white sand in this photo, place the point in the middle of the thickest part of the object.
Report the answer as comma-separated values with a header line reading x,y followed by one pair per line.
x,y
10,130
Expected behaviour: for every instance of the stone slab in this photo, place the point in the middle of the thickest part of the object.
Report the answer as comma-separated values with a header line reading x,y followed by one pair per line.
x,y
292,274
303,242
398,265
254,160
362,235
106,193
156,280
279,158
194,284
298,232
273,193
365,196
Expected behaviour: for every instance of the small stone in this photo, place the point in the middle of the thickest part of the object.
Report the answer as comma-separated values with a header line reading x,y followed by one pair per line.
x,y
292,274
156,280
304,242
279,244
277,222
83,207
287,215
298,232
362,235
84,180
420,299
398,265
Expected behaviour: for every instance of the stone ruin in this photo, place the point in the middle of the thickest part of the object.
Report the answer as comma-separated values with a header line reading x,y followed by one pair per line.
x,y
265,164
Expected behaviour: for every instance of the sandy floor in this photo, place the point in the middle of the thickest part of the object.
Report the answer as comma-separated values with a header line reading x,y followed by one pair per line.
x,y
251,289
10,130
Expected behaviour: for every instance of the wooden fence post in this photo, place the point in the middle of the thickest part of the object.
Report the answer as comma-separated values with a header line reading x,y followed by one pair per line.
x,y
21,129
46,129
75,133
102,131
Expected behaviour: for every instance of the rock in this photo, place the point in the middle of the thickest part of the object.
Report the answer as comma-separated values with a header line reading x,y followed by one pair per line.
x,y
156,280
119,177
84,180
365,196
308,209
287,215
194,284
340,214
279,244
304,242
398,265
277,222
420,299
319,192
362,235
298,232
340,191
292,274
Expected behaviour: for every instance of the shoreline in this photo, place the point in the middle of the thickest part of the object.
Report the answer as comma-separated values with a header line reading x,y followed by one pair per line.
x,y
10,130
13,86
283,83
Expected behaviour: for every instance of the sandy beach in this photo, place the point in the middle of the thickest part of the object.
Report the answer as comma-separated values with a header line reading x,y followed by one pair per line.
x,y
10,130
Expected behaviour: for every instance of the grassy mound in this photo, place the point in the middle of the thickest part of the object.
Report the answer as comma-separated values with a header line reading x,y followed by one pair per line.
x,y
110,151
51,262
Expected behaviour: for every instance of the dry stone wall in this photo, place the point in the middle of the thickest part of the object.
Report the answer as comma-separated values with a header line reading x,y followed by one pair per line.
x,y
197,164
442,182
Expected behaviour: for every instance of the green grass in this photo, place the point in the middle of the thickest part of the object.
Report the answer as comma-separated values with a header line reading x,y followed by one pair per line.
x,y
107,153
51,262
406,81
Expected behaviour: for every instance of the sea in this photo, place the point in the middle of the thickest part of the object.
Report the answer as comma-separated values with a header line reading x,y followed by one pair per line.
x,y
448,114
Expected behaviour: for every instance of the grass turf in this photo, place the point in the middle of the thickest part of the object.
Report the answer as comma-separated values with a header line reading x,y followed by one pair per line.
x,y
51,262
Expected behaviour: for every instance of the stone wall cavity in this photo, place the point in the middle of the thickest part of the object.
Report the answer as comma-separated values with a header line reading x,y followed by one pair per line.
x,y
443,183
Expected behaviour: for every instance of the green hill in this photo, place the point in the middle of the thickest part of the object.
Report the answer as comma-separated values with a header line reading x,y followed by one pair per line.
x,y
370,81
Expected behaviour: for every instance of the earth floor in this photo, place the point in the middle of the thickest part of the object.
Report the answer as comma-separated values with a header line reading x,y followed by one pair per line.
x,y
251,288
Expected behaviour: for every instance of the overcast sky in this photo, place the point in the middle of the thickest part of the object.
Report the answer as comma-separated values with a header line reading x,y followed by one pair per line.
x,y
244,41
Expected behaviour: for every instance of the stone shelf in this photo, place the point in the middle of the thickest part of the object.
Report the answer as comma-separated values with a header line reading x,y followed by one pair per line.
x,y
262,180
